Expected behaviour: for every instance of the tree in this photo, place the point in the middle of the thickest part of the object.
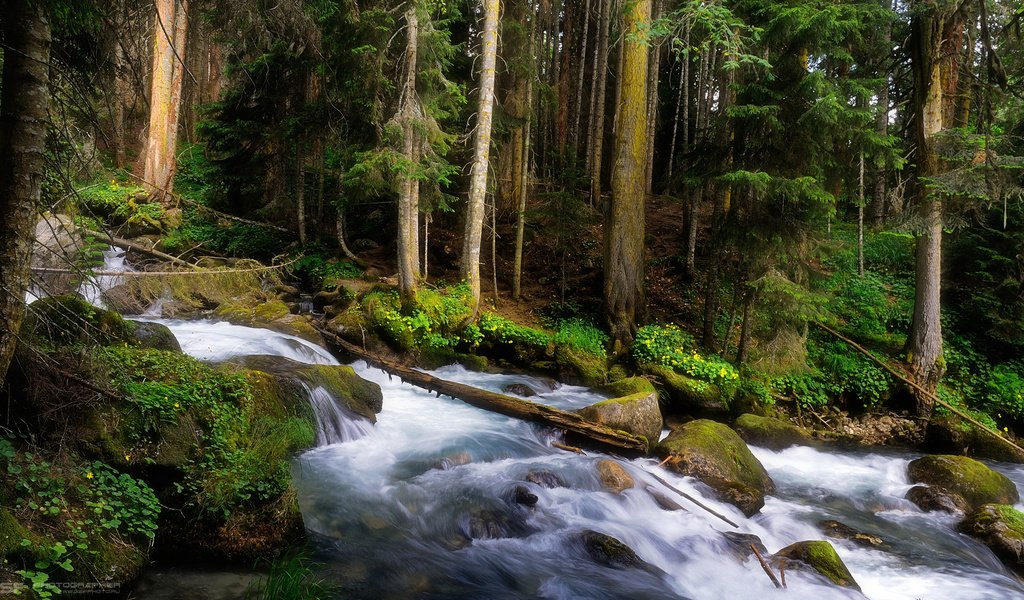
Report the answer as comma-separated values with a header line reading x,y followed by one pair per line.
x,y
624,227
408,187
24,105
169,36
481,153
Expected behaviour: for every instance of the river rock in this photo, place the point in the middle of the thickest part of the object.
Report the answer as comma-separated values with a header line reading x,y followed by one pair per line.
x,y
769,432
578,367
272,314
842,531
285,377
545,479
715,454
489,524
519,389
614,477
689,396
610,552
819,556
965,481
930,499
1001,528
637,414
738,544
68,319
155,335
627,386
522,495
952,435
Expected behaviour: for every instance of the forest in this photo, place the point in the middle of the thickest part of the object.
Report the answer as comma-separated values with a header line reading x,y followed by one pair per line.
x,y
727,222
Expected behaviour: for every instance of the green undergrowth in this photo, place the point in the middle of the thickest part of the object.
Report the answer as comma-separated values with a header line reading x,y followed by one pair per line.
x,y
240,456
316,269
121,203
668,346
65,519
202,230
291,577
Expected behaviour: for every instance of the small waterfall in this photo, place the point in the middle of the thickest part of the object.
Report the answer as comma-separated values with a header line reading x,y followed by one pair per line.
x,y
334,423
93,287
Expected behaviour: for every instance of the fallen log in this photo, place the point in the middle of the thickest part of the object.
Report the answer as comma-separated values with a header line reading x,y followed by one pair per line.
x,y
500,403
140,248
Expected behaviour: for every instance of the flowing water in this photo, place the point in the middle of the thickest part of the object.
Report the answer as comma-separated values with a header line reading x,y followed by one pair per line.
x,y
422,505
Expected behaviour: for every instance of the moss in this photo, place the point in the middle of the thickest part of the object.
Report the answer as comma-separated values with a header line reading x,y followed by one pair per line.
x,y
715,454
1013,518
820,556
688,395
68,320
11,535
971,480
580,367
628,387
243,311
770,432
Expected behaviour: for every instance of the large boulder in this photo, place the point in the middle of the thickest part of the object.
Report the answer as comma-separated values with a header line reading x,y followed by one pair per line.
x,y
818,556
614,477
965,482
579,367
58,244
715,454
952,435
356,394
769,432
68,320
155,335
637,414
1001,528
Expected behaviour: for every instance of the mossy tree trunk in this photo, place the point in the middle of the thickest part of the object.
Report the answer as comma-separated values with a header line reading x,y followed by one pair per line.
x,y
169,37
478,178
24,107
624,228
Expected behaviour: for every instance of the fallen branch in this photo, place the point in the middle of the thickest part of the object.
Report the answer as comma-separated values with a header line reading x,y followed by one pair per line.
x,y
906,379
767,568
691,498
213,271
116,241
568,448
500,403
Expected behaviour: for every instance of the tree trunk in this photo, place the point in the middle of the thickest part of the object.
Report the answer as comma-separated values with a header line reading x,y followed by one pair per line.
x,y
653,73
746,330
860,217
597,134
170,29
624,228
584,39
300,189
481,153
408,185
879,202
523,188
924,344
24,106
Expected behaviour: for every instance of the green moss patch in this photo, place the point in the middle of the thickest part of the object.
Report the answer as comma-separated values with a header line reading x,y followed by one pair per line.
x,y
819,556
971,480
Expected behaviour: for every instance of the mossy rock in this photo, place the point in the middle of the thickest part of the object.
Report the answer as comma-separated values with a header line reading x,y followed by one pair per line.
x,y
273,314
963,477
715,454
637,414
578,367
1001,528
11,534
819,556
952,435
67,320
769,432
156,336
627,387
610,552
686,395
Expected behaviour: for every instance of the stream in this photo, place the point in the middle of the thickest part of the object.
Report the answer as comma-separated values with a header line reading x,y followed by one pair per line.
x,y
421,505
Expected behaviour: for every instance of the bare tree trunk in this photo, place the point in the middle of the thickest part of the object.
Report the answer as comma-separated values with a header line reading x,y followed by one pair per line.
x,y
860,218
478,176
300,189
878,203
747,328
170,29
653,72
682,100
597,134
517,267
24,106
408,186
624,229
584,39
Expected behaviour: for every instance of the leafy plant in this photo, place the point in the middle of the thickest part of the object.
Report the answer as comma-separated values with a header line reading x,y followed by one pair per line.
x,y
668,346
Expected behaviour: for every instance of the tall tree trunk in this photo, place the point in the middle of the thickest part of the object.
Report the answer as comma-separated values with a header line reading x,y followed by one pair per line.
x,y
597,134
924,344
879,202
624,228
24,106
481,153
564,75
720,212
524,174
584,40
300,189
408,186
169,35
860,217
653,73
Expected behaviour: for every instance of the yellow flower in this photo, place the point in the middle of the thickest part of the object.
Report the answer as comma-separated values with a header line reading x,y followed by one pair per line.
x,y
176,405
127,456
721,372
88,475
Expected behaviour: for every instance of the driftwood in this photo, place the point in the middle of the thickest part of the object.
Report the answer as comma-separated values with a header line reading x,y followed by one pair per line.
x,y
683,494
767,568
500,403
141,249
918,389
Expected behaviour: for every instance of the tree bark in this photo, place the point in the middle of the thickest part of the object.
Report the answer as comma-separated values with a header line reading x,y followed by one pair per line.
x,y
408,185
524,175
300,189
597,134
169,35
24,106
624,228
481,153
653,73
924,344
